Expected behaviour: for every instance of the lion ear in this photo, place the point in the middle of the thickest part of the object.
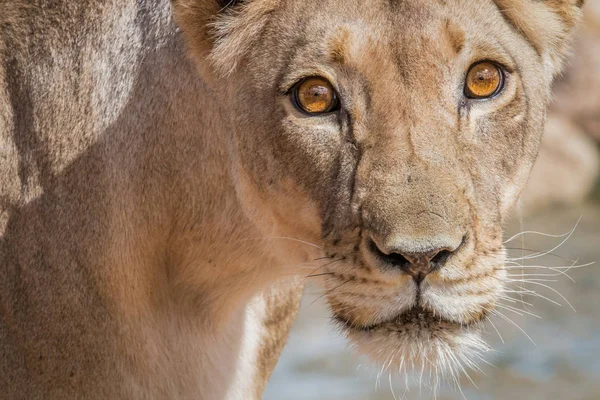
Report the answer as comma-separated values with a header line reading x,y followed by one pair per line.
x,y
219,32
546,24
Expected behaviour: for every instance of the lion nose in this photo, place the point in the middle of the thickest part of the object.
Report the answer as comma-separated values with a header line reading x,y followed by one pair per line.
x,y
417,264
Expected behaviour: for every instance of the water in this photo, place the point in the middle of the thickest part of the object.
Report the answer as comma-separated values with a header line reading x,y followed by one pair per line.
x,y
564,363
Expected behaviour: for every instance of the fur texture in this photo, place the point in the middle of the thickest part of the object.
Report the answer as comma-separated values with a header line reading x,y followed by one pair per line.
x,y
155,214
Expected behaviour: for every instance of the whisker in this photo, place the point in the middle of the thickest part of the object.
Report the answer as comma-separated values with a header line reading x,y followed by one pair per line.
x,y
540,276
496,329
498,313
517,311
531,280
558,268
521,225
570,266
463,370
283,238
561,270
483,360
317,275
535,233
555,291
329,291
318,268
554,248
537,275
528,292
513,300
391,386
298,241
537,254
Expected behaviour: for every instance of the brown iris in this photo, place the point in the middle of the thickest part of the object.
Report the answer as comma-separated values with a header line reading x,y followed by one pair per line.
x,y
484,80
315,96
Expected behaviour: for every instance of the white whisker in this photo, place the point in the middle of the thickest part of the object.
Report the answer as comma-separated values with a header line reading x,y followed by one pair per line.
x,y
539,254
498,313
517,311
555,291
496,329
535,233
515,301
529,292
530,280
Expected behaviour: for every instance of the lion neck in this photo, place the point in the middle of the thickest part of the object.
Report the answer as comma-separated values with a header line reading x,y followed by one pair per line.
x,y
180,236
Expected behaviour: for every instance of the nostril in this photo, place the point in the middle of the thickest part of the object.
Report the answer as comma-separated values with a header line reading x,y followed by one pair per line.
x,y
441,257
394,259
417,264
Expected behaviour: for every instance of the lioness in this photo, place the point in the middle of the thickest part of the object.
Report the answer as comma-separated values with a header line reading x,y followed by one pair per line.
x,y
163,193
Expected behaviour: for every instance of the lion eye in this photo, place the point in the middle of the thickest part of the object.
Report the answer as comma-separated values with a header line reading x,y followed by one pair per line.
x,y
484,80
315,96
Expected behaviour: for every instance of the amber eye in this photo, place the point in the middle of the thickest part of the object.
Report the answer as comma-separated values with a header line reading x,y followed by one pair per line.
x,y
484,80
315,96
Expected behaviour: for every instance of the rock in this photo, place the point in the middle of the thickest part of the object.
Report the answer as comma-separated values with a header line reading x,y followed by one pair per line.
x,y
566,169
577,94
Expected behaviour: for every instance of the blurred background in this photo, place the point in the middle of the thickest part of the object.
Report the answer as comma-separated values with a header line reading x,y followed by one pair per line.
x,y
564,362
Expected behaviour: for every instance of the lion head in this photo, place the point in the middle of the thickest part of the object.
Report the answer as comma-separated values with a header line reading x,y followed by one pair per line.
x,y
398,135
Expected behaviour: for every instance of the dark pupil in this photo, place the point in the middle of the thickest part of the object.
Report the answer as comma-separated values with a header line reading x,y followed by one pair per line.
x,y
318,91
483,74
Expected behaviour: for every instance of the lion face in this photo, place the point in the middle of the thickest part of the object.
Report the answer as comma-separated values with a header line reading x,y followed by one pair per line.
x,y
398,135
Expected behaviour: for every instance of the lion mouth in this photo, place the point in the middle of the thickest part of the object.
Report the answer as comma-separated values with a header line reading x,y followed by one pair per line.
x,y
414,319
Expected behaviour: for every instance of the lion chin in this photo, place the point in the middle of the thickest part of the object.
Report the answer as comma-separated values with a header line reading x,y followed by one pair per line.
x,y
418,340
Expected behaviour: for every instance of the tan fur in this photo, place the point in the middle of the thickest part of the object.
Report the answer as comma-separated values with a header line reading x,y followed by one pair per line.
x,y
156,213
547,25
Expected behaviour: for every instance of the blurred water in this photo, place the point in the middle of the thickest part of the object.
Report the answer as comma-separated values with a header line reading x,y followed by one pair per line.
x,y
565,364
